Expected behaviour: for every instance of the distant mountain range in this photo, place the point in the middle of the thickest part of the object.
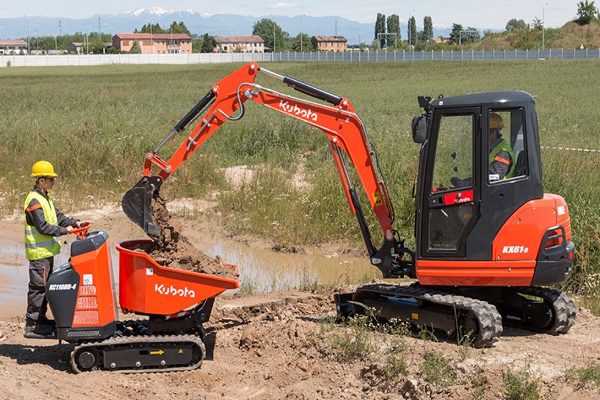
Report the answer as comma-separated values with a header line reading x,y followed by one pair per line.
x,y
198,23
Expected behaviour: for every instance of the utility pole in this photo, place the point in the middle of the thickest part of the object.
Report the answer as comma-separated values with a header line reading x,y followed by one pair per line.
x,y
544,24
273,37
410,44
28,47
301,34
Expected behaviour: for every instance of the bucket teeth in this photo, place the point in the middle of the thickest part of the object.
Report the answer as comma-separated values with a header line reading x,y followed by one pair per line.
x,y
137,204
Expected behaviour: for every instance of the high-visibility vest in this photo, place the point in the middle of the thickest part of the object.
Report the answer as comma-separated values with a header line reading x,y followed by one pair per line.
x,y
38,245
504,146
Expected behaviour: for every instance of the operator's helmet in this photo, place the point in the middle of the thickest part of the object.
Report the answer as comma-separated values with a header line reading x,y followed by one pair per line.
x,y
43,169
496,121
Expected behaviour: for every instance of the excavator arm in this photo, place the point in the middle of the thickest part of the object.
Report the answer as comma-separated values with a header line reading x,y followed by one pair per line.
x,y
338,121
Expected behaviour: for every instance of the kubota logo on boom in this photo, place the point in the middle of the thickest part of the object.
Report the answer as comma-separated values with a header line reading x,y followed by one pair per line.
x,y
173,291
297,111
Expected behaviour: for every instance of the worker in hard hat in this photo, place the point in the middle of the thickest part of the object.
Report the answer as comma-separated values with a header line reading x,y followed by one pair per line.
x,y
43,223
501,159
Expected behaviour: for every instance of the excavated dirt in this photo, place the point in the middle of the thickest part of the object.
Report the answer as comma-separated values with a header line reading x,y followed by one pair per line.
x,y
174,250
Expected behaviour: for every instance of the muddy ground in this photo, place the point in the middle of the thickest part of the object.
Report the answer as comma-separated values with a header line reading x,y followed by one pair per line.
x,y
284,345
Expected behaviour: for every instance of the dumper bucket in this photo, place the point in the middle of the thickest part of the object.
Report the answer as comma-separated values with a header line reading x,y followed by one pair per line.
x,y
137,204
145,287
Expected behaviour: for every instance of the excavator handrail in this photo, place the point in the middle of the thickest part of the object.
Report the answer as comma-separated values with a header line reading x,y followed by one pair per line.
x,y
339,122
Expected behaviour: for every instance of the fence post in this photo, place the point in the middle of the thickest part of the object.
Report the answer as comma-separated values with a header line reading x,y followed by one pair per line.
x,y
472,54
550,54
574,53
538,54
403,55
431,55
442,54
586,53
526,54
452,54
462,54
482,55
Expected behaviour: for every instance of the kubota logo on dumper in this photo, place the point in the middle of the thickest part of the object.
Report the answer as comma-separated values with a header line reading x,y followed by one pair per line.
x,y
297,111
173,291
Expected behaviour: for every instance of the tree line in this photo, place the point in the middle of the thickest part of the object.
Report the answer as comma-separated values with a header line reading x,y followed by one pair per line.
x,y
387,33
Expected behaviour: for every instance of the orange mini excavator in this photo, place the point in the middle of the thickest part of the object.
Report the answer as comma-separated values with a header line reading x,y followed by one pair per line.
x,y
486,242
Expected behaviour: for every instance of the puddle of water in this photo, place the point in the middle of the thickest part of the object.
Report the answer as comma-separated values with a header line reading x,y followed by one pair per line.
x,y
264,270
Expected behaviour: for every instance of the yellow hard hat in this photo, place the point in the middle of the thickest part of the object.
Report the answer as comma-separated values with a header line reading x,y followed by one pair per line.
x,y
42,168
496,121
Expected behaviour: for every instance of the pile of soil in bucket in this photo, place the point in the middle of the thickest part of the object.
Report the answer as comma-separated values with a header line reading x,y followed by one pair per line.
x,y
171,249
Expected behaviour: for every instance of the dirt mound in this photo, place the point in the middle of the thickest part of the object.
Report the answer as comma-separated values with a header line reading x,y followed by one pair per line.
x,y
174,250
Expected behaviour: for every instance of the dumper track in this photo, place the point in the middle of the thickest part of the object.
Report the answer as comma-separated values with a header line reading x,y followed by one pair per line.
x,y
141,342
487,317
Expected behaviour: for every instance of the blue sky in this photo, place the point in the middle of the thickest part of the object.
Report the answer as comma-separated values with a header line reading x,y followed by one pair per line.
x,y
478,13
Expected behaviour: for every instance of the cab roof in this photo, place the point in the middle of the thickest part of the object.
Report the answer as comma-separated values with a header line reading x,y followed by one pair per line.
x,y
491,99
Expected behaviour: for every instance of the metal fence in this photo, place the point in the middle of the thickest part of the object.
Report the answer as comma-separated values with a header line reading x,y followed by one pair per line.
x,y
352,56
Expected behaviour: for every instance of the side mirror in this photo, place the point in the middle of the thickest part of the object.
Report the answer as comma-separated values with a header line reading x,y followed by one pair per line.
x,y
419,128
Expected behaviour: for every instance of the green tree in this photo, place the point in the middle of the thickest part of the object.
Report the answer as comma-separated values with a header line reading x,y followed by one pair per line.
x,y
455,34
380,28
266,28
302,42
135,48
516,25
586,10
208,43
427,28
537,24
151,28
178,27
393,26
197,44
376,45
412,31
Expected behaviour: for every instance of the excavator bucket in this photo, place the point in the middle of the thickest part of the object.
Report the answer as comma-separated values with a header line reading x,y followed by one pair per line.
x,y
137,204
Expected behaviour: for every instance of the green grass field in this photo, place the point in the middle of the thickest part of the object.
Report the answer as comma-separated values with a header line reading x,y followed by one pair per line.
x,y
96,123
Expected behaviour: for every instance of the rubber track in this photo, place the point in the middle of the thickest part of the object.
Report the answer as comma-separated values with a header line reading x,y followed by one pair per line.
x,y
563,306
145,339
488,318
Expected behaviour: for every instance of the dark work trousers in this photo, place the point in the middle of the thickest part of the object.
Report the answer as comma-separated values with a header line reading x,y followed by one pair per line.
x,y
39,270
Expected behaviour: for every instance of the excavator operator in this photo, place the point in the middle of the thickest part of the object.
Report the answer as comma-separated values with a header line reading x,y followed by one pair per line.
x,y
501,159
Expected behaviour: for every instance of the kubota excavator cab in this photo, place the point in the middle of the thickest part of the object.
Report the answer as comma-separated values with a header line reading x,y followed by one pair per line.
x,y
474,226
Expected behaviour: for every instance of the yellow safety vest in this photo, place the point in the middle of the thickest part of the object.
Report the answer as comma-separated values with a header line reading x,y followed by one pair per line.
x,y
38,245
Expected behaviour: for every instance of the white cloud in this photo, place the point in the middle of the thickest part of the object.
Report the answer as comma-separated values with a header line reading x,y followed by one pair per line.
x,y
284,6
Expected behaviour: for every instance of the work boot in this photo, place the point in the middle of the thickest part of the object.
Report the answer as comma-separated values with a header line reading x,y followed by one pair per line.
x,y
43,320
35,330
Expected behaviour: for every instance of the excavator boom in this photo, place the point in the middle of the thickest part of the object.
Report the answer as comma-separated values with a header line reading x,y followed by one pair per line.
x,y
338,121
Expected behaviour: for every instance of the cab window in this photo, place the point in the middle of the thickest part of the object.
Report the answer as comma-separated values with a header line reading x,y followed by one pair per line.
x,y
453,164
507,150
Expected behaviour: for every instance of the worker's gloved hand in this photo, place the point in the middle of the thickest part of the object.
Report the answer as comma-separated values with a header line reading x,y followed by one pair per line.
x,y
81,224
457,182
70,228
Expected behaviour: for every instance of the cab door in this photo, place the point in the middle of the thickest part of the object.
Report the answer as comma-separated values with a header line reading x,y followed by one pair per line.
x,y
451,189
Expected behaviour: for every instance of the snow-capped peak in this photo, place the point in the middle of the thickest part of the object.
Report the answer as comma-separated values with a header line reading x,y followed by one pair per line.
x,y
151,11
